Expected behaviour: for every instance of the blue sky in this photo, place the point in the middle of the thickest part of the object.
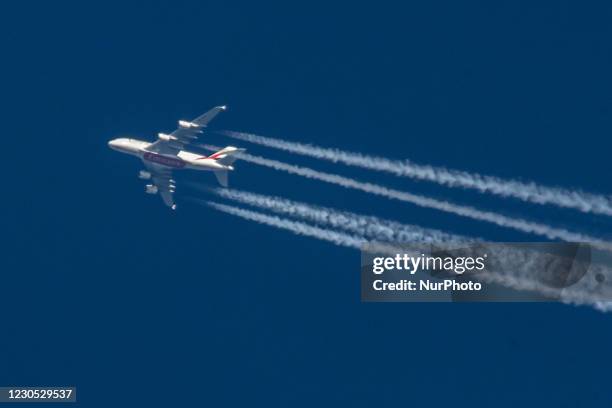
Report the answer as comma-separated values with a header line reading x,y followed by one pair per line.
x,y
103,287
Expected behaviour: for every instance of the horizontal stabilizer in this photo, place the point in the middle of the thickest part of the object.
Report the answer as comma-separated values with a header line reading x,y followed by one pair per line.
x,y
222,177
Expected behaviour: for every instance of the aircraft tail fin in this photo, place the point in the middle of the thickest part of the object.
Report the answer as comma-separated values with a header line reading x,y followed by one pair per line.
x,y
226,155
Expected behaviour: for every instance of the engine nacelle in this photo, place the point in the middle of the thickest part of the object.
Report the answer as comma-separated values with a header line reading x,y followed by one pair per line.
x,y
150,189
185,124
165,137
145,175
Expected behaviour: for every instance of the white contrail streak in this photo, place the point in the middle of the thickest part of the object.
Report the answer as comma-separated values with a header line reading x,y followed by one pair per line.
x,y
368,226
522,267
296,227
528,192
426,202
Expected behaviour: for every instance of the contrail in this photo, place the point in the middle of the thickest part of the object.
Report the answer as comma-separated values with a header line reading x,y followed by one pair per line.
x,y
367,226
426,202
520,266
296,227
301,228
525,191
586,292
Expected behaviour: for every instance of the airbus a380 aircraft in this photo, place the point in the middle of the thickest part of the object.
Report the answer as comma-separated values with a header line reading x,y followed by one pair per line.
x,y
166,154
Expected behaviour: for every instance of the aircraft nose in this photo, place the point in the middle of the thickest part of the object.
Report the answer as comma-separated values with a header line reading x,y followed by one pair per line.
x,y
113,143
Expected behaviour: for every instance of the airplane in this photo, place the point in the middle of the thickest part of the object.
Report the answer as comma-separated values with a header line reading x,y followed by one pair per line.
x,y
167,153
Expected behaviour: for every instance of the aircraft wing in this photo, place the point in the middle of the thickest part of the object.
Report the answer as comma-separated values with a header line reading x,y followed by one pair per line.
x,y
162,179
187,132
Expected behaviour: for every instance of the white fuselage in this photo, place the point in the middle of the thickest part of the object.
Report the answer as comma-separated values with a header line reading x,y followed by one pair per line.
x,y
182,160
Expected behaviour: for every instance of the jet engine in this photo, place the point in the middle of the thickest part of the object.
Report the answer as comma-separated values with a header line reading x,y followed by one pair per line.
x,y
166,138
188,125
145,175
150,189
